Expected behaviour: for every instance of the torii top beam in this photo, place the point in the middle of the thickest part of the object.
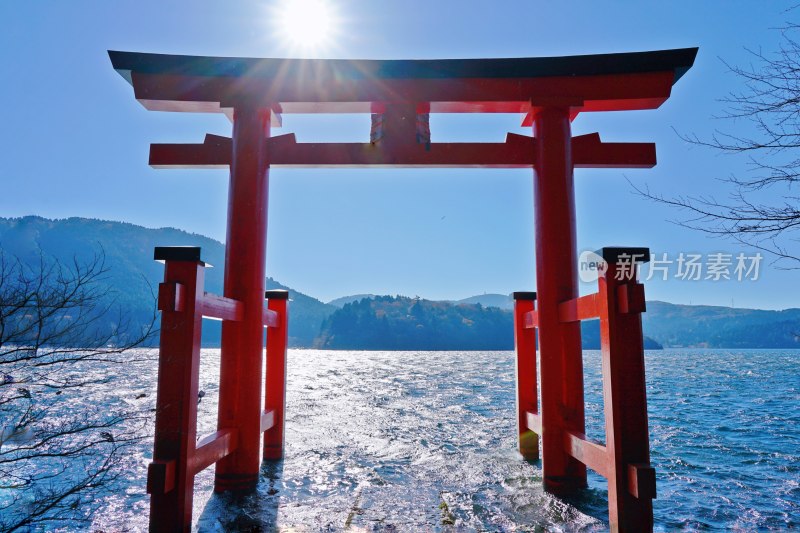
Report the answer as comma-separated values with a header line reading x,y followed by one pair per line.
x,y
607,82
399,90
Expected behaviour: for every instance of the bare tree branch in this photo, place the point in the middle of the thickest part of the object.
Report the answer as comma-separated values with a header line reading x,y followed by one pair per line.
x,y
770,101
60,331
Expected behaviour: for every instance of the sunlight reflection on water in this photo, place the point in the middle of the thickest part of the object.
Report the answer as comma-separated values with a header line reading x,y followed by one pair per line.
x,y
411,441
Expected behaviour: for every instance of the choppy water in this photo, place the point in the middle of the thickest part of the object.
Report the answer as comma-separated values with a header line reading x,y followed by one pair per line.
x,y
425,441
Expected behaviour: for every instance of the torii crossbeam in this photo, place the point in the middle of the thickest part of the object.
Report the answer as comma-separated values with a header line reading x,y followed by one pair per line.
x,y
400,95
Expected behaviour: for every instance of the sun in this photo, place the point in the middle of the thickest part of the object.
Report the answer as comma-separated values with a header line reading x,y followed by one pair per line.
x,y
306,25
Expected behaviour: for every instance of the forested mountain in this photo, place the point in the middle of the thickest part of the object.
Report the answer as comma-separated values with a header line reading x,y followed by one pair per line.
x,y
133,277
377,322
401,323
721,327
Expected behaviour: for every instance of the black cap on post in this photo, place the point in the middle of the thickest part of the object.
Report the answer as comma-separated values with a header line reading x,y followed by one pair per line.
x,y
178,253
618,254
524,295
276,294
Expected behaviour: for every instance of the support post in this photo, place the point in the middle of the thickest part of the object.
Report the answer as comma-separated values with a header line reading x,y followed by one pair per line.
x,y
275,383
631,480
170,481
557,281
527,388
242,342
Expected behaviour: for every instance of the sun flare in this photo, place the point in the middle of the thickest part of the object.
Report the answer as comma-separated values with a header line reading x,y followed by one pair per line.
x,y
307,25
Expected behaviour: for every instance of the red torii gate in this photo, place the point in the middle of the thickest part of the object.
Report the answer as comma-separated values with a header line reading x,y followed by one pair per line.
x,y
400,94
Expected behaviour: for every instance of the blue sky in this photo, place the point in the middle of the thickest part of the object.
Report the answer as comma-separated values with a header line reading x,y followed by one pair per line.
x,y
75,142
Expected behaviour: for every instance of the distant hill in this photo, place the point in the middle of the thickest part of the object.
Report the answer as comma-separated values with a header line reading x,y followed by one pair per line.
x,y
340,302
721,327
675,325
401,323
501,301
133,277
306,315
133,274
695,326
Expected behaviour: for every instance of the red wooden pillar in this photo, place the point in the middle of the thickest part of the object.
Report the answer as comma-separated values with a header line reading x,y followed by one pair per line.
x,y
170,482
527,392
557,281
631,480
275,386
242,342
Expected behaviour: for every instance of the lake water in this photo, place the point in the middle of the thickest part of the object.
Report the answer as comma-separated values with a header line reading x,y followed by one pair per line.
x,y
425,441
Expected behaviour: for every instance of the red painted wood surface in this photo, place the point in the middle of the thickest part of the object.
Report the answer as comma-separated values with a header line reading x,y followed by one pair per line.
x,y
170,478
275,392
242,341
221,308
560,351
592,454
583,308
205,94
212,448
267,420
531,320
177,457
625,402
534,422
527,388
624,459
518,151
